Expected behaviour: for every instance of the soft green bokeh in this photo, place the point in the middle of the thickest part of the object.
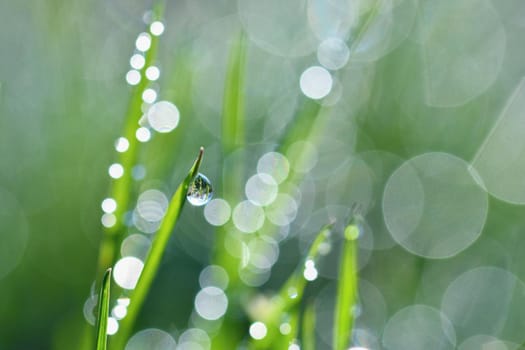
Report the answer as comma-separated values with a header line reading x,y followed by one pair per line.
x,y
423,77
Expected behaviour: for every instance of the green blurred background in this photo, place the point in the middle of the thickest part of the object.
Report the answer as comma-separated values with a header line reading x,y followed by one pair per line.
x,y
426,77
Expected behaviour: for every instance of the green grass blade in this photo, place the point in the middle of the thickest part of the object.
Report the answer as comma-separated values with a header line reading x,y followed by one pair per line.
x,y
287,301
233,133
154,257
103,311
308,327
346,289
121,188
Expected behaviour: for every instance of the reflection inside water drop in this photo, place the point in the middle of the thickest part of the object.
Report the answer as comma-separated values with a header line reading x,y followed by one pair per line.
x,y
199,191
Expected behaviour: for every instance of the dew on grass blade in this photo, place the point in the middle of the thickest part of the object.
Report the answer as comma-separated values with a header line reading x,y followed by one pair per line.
x,y
152,73
156,28
133,77
316,82
121,144
143,42
137,61
116,170
112,326
200,191
149,96
127,272
119,311
151,339
163,116
108,205
108,220
333,53
143,134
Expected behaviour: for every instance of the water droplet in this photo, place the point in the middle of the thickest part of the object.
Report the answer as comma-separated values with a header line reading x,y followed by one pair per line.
x,y
199,191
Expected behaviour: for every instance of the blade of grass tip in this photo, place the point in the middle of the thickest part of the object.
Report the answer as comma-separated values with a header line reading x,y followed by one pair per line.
x,y
120,188
308,327
151,265
346,289
103,311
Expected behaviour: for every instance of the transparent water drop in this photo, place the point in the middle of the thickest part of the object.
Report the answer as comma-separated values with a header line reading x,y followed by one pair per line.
x,y
199,191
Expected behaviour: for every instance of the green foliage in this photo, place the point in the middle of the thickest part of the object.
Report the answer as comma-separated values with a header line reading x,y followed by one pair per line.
x,y
103,311
151,265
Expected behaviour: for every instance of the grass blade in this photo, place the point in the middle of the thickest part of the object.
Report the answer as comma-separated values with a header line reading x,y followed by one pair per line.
x,y
287,301
346,289
233,135
121,188
103,311
154,257
308,327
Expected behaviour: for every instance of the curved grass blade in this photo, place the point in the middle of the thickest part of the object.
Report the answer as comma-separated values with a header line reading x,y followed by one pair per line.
x,y
154,257
346,289
308,327
103,311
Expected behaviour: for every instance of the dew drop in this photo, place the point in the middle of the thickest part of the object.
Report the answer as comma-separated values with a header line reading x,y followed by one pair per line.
x,y
199,191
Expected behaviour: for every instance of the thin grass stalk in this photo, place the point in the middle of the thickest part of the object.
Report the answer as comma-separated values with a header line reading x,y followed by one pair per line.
x,y
103,311
152,263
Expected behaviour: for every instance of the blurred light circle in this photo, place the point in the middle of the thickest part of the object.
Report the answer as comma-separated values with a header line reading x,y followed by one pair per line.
x,y
112,326
248,217
152,205
143,134
303,156
108,205
151,339
486,342
316,82
274,164
214,276
261,189
121,145
500,160
149,95
263,252
289,35
433,207
285,328
217,212
486,300
116,170
137,61
283,210
333,53
136,245
211,303
119,311
152,73
138,172
419,327
194,339
143,42
89,309
156,28
143,224
253,276
163,116
133,77
127,272
108,220
258,330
